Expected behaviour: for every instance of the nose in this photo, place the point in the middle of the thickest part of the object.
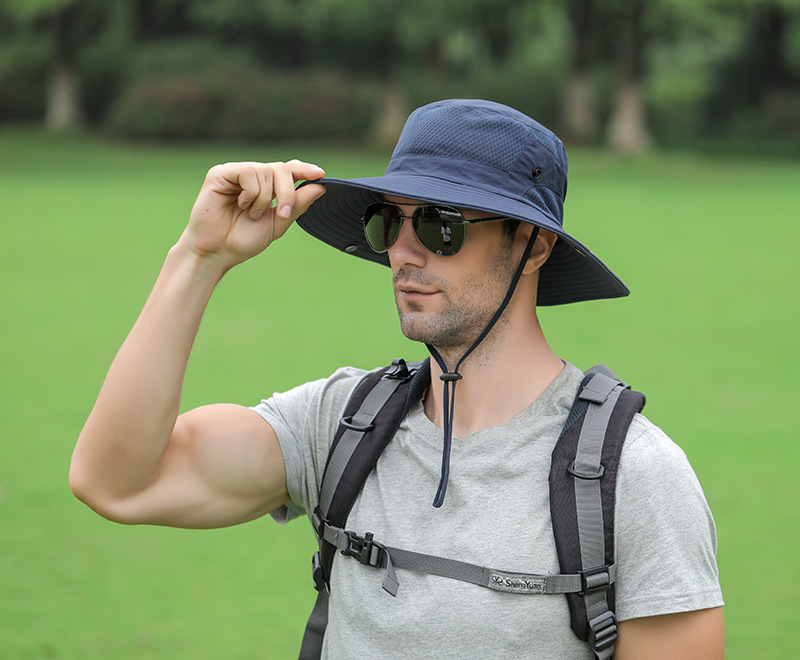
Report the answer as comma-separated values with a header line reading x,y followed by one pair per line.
x,y
407,250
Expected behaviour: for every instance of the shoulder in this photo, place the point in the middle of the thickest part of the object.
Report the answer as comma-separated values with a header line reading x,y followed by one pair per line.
x,y
304,419
649,453
655,473
321,395
665,533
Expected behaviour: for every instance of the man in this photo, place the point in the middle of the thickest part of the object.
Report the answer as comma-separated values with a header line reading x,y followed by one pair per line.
x,y
495,181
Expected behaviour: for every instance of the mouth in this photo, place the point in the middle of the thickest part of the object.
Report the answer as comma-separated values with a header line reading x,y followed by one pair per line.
x,y
410,290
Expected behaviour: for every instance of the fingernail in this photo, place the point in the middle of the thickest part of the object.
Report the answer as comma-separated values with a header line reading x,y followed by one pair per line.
x,y
285,211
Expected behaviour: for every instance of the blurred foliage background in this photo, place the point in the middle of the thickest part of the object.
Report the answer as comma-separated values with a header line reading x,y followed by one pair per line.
x,y
626,74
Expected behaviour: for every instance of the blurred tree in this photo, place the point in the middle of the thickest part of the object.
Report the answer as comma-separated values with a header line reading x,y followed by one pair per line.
x,y
158,18
628,130
580,113
68,24
777,81
598,59
277,31
757,86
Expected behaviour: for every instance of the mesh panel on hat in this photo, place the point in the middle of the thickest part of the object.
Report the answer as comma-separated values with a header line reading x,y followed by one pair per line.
x,y
461,132
547,200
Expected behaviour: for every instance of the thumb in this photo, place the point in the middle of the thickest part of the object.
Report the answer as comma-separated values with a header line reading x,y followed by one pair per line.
x,y
307,194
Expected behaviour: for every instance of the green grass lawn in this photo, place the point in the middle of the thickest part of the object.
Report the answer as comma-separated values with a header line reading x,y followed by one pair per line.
x,y
708,247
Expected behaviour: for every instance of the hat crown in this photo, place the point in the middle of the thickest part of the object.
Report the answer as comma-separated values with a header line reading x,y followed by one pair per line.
x,y
487,146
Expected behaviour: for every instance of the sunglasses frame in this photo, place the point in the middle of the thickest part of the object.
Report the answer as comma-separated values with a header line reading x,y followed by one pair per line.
x,y
417,220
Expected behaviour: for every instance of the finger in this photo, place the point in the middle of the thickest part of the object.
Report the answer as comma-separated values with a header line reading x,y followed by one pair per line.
x,y
284,189
263,201
287,199
306,196
246,178
307,171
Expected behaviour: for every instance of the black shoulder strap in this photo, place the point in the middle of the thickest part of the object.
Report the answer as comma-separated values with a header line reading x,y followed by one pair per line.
x,y
362,436
582,498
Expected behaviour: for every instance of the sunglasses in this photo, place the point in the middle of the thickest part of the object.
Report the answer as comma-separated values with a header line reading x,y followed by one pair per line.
x,y
441,229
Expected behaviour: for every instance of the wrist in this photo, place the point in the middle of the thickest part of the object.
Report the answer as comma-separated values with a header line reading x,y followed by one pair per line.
x,y
201,266
191,272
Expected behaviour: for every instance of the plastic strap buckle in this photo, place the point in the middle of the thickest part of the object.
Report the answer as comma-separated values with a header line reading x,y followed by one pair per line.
x,y
594,579
586,475
347,422
398,370
362,547
317,572
318,522
603,631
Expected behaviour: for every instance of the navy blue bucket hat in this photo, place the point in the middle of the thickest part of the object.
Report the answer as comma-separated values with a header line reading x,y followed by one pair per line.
x,y
476,155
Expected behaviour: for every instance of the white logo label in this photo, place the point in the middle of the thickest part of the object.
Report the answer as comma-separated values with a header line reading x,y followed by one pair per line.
x,y
521,584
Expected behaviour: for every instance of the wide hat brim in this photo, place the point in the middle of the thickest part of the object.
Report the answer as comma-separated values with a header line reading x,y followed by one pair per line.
x,y
571,274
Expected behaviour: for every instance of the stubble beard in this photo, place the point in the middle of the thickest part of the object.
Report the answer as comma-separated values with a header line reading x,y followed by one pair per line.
x,y
464,311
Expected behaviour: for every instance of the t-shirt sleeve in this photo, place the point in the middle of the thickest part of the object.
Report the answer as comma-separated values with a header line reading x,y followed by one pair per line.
x,y
666,540
305,419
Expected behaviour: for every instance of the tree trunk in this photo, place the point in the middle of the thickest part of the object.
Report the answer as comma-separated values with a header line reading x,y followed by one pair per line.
x,y
63,110
628,131
580,109
392,115
579,112
144,19
776,82
393,106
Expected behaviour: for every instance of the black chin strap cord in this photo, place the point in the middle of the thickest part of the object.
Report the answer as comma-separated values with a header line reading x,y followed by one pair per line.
x,y
450,378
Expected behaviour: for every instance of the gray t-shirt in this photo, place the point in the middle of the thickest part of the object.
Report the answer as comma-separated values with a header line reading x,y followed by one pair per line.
x,y
496,514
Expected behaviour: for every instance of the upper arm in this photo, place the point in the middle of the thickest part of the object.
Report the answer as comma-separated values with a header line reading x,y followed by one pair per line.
x,y
223,466
698,635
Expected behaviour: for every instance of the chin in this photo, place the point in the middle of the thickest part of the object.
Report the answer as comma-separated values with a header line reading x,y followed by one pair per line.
x,y
411,328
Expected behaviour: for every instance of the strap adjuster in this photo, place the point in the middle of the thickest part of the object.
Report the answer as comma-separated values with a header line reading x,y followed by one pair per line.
x,y
603,631
364,549
399,370
594,579
318,522
585,475
318,573
347,422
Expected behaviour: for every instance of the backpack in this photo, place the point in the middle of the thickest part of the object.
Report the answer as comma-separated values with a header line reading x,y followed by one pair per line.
x,y
582,496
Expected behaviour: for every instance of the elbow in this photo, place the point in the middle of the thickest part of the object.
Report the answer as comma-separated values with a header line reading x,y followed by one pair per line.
x,y
81,486
87,490
77,481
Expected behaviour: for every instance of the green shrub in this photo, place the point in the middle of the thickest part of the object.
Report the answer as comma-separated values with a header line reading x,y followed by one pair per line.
x,y
190,90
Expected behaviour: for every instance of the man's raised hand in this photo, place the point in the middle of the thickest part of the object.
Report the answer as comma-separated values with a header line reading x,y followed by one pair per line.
x,y
243,207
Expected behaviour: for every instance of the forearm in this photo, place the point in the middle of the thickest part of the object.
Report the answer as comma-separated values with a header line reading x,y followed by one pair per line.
x,y
132,462
124,440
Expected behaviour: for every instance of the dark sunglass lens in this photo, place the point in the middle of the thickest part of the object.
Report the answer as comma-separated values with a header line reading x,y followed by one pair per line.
x,y
381,225
440,229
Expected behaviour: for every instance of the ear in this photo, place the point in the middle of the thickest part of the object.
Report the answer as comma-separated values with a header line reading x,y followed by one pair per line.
x,y
545,240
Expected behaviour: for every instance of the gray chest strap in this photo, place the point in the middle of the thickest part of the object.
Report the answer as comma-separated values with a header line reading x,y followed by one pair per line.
x,y
372,553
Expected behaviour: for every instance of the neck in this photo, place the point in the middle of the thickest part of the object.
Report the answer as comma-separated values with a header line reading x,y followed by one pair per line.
x,y
501,378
